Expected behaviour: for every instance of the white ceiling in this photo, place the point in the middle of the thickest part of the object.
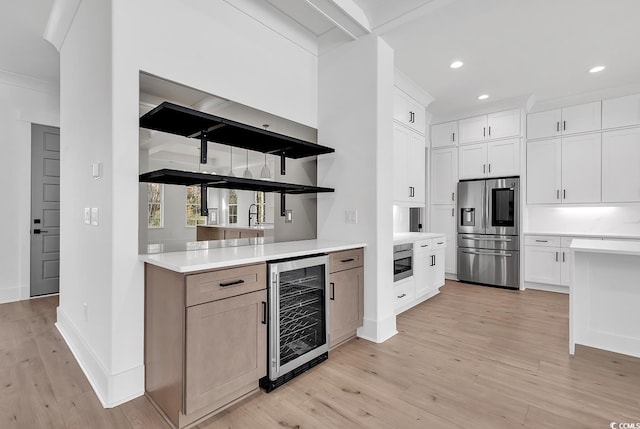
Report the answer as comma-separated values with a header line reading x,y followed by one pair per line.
x,y
512,49
23,50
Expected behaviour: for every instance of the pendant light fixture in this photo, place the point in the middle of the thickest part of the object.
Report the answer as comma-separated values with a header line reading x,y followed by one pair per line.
x,y
247,172
265,173
231,162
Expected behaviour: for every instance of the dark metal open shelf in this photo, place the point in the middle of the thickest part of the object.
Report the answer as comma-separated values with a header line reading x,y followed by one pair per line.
x,y
183,121
206,180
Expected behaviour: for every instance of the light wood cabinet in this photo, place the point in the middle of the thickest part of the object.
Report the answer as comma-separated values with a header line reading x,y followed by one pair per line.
x,y
444,176
496,125
621,166
621,112
581,118
346,295
493,159
564,171
205,339
443,135
408,166
206,233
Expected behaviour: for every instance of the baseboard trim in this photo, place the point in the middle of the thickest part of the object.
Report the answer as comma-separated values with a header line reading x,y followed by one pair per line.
x,y
10,294
378,331
111,389
546,287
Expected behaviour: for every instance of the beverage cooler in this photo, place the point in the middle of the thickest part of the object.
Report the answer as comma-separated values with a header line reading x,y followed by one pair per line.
x,y
298,318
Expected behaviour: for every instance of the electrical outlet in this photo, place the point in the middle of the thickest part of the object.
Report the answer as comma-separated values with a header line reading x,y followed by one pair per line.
x,y
87,215
94,216
288,216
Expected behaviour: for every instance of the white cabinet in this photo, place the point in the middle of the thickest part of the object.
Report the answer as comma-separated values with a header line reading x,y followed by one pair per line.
x,y
408,166
547,259
621,166
443,219
443,135
581,169
564,170
493,159
493,126
409,112
473,129
568,120
621,111
435,275
421,261
444,176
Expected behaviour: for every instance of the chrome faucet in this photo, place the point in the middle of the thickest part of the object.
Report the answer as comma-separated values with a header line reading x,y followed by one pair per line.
x,y
256,213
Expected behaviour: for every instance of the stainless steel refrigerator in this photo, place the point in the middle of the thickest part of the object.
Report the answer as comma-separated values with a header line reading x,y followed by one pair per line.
x,y
488,232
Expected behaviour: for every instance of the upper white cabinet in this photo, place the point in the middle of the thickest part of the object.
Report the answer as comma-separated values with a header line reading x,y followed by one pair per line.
x,y
564,171
621,166
568,120
444,176
493,126
621,111
443,135
409,112
492,159
408,166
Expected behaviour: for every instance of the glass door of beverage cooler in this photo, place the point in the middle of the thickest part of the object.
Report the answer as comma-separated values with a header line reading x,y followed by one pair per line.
x,y
299,328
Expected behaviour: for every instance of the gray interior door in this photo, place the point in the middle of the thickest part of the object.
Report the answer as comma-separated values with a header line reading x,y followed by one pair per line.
x,y
45,210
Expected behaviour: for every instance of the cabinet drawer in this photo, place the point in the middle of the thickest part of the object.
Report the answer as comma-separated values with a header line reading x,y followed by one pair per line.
x,y
404,293
345,260
422,245
542,240
438,243
220,284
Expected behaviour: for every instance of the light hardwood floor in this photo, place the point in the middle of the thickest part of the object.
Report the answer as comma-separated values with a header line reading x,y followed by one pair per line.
x,y
472,357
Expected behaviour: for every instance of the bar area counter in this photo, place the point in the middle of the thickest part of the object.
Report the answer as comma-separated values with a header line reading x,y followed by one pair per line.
x,y
604,304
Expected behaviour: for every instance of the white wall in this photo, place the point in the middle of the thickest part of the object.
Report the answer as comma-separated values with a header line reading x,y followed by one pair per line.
x,y
355,116
204,44
23,101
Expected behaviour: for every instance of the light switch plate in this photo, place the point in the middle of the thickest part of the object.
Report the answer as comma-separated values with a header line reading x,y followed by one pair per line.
x,y
94,216
288,216
351,216
87,215
95,169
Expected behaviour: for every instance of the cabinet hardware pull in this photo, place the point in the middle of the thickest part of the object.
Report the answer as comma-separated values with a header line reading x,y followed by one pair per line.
x,y
489,131
564,125
542,241
264,313
489,168
402,296
424,245
454,137
484,132
440,242
237,282
556,256
332,292
347,260
558,126
453,212
557,194
453,196
564,194
484,168
433,260
563,257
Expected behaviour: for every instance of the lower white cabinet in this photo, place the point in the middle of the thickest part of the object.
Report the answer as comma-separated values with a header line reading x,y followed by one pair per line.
x,y
428,274
443,219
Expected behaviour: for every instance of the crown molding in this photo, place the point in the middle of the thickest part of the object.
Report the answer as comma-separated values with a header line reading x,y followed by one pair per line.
x,y
60,19
28,82
404,83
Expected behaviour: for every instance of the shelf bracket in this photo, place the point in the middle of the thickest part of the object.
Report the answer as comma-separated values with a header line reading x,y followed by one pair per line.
x,y
283,205
204,210
203,148
283,164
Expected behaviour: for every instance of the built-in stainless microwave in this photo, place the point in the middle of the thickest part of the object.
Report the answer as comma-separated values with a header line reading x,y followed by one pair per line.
x,y
402,261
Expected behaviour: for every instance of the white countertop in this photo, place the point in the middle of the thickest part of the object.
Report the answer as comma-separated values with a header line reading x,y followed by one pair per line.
x,y
607,246
409,237
586,235
200,260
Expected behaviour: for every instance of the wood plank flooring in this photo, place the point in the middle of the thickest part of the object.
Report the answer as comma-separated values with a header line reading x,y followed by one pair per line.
x,y
471,357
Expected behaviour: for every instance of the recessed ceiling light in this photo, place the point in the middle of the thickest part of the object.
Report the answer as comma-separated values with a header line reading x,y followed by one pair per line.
x,y
483,97
596,69
456,64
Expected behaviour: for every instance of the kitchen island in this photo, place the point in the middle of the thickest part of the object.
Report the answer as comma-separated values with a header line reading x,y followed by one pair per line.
x,y
207,315
605,296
